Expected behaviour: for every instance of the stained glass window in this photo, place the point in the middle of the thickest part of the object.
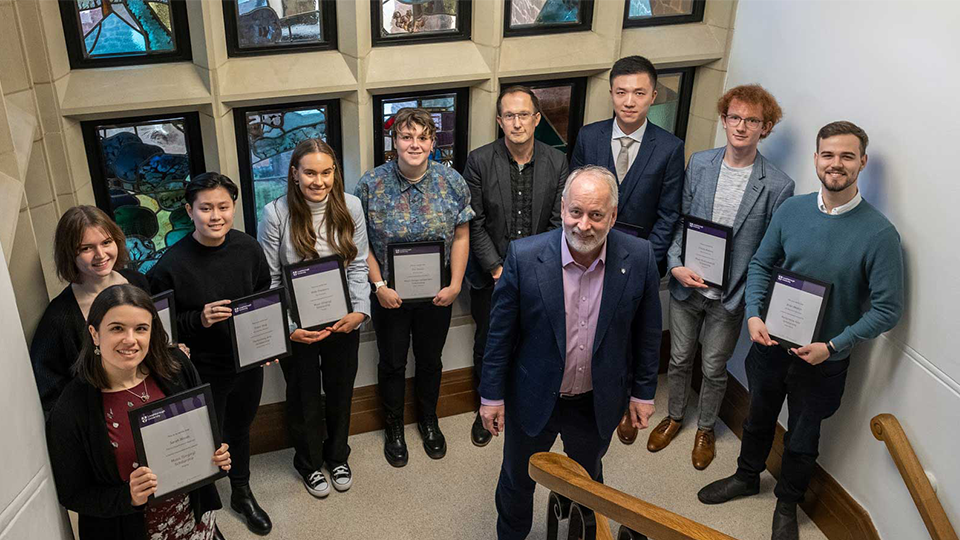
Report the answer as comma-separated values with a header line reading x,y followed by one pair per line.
x,y
670,109
449,111
140,168
658,12
419,20
266,137
120,32
276,26
525,17
561,111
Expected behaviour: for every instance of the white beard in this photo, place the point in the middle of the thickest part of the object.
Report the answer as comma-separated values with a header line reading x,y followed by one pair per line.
x,y
580,244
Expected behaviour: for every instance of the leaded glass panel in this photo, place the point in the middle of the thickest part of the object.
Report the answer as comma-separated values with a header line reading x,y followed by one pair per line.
x,y
656,12
420,20
125,27
265,26
531,14
443,108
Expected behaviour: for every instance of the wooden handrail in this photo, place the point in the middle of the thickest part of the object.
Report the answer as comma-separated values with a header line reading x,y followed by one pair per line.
x,y
565,476
886,428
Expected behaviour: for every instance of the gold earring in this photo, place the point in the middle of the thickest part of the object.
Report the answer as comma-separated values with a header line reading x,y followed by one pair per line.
x,y
96,351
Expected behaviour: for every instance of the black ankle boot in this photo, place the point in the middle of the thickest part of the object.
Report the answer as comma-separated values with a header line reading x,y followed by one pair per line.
x,y
433,441
479,434
785,522
243,503
394,443
727,488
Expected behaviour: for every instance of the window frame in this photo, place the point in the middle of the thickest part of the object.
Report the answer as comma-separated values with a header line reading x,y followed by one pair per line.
x,y
462,33
328,22
247,195
579,92
461,125
70,19
695,16
686,96
585,24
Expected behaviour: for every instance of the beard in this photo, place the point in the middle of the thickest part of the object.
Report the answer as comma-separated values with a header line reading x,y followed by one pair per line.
x,y
838,185
580,243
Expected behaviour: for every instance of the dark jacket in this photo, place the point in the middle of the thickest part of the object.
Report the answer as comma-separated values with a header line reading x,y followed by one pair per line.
x,y
85,468
57,341
488,174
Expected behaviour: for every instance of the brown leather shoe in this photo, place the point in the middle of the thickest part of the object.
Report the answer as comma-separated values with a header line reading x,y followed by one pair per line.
x,y
661,435
703,449
625,431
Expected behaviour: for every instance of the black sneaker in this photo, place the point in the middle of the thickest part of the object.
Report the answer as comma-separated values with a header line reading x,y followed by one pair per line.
x,y
341,477
479,435
394,444
433,442
316,483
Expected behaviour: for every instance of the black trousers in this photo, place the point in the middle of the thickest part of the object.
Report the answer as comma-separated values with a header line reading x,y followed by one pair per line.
x,y
813,394
236,398
310,418
428,324
574,421
480,300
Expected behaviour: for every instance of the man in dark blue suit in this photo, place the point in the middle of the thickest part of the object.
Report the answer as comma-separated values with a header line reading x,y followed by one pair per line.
x,y
647,160
574,335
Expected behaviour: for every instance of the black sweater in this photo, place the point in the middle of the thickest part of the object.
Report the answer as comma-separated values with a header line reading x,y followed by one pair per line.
x,y
85,466
199,275
57,341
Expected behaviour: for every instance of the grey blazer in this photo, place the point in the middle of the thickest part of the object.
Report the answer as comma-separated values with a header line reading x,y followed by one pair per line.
x,y
488,174
766,190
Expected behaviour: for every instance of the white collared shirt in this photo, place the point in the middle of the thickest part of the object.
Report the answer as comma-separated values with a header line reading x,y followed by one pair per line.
x,y
842,209
634,149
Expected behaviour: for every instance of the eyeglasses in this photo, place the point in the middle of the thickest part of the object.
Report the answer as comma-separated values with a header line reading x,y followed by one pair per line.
x,y
732,121
524,116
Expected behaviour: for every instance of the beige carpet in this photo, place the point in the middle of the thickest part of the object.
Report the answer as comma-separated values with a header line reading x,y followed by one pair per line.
x,y
452,498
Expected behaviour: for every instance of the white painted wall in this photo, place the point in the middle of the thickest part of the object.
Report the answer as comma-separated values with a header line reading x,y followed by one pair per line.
x,y
890,67
28,499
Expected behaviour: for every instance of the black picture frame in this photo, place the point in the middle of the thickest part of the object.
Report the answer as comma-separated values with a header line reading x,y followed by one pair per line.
x,y
288,278
136,415
695,16
328,22
247,193
462,111
585,24
686,96
727,246
635,231
70,18
578,99
168,297
779,271
444,269
284,309
461,33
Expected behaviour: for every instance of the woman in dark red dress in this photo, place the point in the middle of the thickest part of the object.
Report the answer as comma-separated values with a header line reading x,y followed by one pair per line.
x,y
125,362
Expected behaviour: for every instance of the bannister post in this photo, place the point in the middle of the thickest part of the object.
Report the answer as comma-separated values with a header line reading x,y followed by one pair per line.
x,y
558,509
626,533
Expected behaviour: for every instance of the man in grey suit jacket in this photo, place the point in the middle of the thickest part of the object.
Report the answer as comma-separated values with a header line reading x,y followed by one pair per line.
x,y
737,187
515,186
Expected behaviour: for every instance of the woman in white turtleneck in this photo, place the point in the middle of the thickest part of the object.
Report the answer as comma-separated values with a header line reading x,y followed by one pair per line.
x,y
317,219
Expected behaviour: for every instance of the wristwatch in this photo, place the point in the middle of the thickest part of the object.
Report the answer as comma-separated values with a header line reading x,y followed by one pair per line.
x,y
377,285
830,349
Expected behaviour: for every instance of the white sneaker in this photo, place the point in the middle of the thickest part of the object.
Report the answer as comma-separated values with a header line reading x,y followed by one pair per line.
x,y
316,483
341,477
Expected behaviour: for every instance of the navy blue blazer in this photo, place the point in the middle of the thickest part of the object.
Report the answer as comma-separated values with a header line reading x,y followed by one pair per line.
x,y
526,347
651,192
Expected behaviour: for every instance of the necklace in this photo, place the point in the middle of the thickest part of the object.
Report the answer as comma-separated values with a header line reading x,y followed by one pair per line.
x,y
144,396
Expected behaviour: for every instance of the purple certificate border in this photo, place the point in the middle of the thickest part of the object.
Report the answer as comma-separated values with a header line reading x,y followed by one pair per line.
x,y
313,269
805,286
417,250
706,229
170,410
256,303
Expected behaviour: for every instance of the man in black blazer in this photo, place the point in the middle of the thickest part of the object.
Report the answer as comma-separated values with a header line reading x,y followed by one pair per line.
x,y
647,160
515,185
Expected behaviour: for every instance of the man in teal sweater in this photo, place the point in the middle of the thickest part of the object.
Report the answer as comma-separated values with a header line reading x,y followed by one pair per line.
x,y
833,236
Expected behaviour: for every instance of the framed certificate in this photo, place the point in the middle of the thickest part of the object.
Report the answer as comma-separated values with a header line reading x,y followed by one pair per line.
x,y
794,309
706,249
417,271
318,290
258,329
176,437
167,312
633,230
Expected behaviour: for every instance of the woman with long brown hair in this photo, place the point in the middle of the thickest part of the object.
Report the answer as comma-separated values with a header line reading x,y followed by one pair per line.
x,y
316,218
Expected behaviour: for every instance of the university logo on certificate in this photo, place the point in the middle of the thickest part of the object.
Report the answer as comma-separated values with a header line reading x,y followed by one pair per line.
x,y
319,294
795,308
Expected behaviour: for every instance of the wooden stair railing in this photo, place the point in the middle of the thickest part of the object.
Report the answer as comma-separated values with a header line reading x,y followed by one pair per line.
x,y
588,504
887,428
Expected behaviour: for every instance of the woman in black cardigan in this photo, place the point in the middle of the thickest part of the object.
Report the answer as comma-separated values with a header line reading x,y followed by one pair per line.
x,y
90,254
125,362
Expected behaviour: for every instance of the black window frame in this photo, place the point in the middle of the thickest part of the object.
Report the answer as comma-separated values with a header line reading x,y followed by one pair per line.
x,y
695,16
334,139
462,124
70,18
686,96
328,22
462,33
578,93
585,24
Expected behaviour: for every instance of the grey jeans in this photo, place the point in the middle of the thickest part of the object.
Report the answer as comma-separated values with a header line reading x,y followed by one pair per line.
x,y
721,329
